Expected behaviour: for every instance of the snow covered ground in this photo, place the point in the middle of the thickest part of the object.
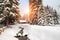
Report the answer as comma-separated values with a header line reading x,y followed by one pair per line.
x,y
34,32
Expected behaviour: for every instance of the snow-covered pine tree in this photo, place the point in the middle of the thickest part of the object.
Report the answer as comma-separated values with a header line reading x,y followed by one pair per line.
x,y
45,15
52,17
41,16
10,12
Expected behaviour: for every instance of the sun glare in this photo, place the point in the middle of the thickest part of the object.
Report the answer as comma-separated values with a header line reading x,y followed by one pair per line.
x,y
24,7
26,10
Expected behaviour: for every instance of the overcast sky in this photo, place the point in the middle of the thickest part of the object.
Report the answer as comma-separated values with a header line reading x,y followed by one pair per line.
x,y
25,4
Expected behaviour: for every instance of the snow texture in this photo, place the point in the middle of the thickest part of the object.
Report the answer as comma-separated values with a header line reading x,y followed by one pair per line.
x,y
34,32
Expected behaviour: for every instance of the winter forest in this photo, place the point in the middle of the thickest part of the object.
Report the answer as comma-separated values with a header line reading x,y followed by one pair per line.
x,y
29,20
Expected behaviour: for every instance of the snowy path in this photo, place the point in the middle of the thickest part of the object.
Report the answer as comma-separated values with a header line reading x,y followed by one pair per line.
x,y
35,32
